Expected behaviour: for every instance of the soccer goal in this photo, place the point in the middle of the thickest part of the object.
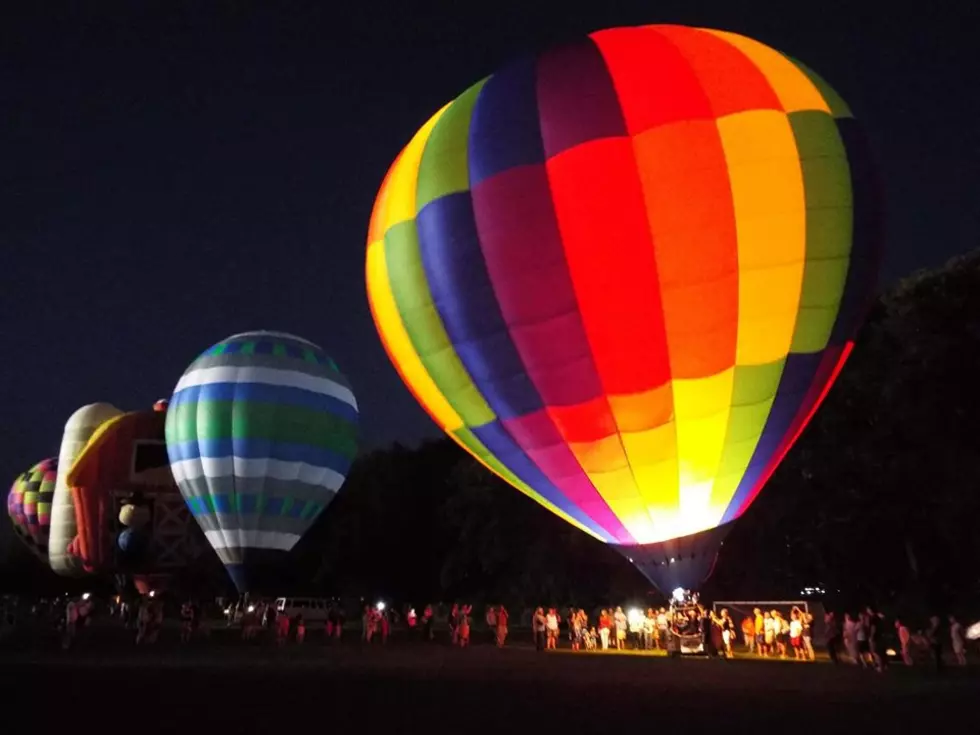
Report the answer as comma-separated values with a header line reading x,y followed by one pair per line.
x,y
740,609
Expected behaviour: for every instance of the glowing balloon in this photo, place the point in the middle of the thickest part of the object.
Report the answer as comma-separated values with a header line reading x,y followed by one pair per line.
x,y
623,274
261,431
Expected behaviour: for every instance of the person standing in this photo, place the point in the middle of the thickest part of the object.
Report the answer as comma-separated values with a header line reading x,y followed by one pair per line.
x,y
539,625
934,636
491,618
502,618
958,640
833,636
904,641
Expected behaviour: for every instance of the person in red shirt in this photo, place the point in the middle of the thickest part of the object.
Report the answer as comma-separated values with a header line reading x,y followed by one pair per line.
x,y
502,618
282,629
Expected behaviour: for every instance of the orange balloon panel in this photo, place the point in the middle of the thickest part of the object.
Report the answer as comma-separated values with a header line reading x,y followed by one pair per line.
x,y
623,273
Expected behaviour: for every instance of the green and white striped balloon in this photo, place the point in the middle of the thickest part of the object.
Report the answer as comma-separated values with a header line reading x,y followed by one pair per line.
x,y
261,431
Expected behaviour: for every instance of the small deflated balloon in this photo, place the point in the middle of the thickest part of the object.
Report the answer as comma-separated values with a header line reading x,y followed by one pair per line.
x,y
134,516
261,431
623,274
132,541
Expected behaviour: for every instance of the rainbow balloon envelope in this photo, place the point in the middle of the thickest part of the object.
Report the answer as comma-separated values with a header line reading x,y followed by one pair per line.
x,y
623,274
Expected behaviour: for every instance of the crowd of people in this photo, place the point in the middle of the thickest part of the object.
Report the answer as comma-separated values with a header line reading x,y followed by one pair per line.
x,y
864,639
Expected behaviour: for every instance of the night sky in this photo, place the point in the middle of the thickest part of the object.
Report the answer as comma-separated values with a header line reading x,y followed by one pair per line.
x,y
173,173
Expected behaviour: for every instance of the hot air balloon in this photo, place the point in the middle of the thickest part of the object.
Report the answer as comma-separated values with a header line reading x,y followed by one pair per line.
x,y
29,505
623,274
62,543
261,431
124,464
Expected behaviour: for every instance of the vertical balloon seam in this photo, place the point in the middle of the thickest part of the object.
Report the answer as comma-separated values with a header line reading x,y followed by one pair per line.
x,y
541,408
605,393
435,321
847,321
796,94
798,266
389,323
747,491
737,252
695,527
716,501
529,68
406,284
639,133
743,374
678,521
390,327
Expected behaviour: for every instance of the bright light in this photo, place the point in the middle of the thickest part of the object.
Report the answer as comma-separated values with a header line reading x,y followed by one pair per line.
x,y
153,593
227,611
671,560
679,594
381,607
973,632
251,608
86,595
634,616
890,652
811,591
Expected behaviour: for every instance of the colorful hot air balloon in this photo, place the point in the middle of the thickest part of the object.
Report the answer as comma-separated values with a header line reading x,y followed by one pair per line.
x,y
261,431
623,274
29,505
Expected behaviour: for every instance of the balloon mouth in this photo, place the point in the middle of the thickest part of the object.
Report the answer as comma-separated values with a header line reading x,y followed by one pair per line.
x,y
680,563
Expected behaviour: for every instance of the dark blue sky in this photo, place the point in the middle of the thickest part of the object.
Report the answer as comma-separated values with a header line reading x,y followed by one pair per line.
x,y
173,173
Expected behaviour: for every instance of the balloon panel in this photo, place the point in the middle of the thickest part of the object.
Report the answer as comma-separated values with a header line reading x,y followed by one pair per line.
x,y
623,273
261,432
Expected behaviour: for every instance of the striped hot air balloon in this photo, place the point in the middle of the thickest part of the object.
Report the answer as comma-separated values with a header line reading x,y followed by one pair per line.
x,y
623,274
29,505
261,431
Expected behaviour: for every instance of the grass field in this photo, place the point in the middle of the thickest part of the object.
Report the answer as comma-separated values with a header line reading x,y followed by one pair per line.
x,y
225,686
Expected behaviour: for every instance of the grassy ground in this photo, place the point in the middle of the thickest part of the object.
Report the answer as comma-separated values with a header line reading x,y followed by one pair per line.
x,y
227,686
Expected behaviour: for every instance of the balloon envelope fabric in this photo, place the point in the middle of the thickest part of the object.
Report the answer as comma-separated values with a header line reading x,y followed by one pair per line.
x,y
261,432
623,273
29,504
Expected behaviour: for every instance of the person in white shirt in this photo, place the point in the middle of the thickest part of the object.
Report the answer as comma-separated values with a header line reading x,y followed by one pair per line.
x,y
796,634
958,640
551,623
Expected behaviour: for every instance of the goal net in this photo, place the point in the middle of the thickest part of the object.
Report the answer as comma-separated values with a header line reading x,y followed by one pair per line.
x,y
741,609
